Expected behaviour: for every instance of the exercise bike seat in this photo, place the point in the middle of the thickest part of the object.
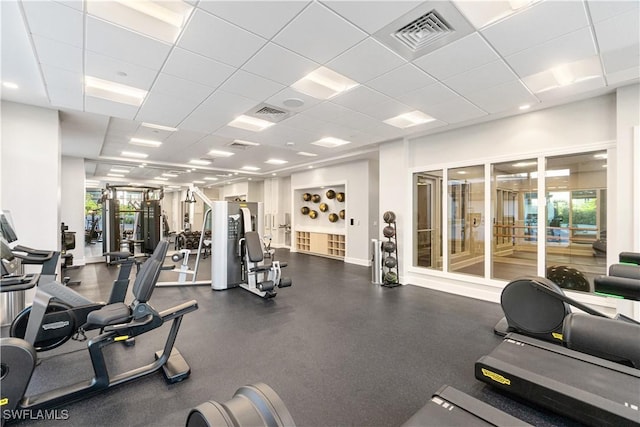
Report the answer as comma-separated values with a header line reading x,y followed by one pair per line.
x,y
108,315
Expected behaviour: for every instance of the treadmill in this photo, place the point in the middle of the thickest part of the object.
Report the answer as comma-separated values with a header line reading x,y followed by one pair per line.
x,y
591,390
451,407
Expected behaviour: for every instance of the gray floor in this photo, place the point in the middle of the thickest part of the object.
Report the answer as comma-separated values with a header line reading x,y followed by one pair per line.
x,y
337,349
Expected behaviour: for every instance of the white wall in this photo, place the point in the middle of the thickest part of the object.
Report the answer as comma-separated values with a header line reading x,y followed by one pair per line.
x,y
355,176
394,196
72,204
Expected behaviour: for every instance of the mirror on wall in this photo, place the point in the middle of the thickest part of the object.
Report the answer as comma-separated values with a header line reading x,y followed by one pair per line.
x,y
427,236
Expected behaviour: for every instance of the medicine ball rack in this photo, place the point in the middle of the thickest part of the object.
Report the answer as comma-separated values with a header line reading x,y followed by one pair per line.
x,y
390,273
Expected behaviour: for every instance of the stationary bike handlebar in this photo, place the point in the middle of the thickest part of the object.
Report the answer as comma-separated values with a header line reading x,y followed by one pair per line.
x,y
33,256
31,251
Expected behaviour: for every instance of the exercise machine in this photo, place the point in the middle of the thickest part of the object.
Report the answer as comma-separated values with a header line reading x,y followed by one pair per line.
x,y
451,407
251,406
117,322
259,278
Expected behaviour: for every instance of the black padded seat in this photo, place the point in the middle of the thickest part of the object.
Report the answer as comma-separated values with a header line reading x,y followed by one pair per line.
x,y
109,315
254,247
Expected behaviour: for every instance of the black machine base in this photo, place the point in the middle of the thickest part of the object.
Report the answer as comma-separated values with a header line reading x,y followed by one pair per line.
x,y
176,369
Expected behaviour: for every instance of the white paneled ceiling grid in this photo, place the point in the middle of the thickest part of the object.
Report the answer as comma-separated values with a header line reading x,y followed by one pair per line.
x,y
231,56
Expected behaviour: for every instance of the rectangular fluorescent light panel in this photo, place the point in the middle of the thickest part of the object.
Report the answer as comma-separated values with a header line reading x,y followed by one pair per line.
x,y
199,182
276,162
159,127
406,120
145,142
305,153
243,142
323,83
331,142
160,178
220,153
134,154
113,91
250,168
564,75
210,178
250,123
115,170
116,175
170,175
200,162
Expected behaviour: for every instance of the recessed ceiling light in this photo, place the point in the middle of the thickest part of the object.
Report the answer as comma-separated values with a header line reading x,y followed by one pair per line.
x,y
276,162
10,85
160,178
600,156
309,167
406,120
145,142
160,127
119,170
250,123
199,162
173,186
116,175
323,83
210,178
170,175
524,107
564,75
220,153
250,168
305,153
274,174
113,91
290,143
524,164
134,155
248,179
331,142
199,182
462,172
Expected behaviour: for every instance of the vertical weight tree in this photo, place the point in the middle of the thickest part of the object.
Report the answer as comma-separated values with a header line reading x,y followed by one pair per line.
x,y
390,276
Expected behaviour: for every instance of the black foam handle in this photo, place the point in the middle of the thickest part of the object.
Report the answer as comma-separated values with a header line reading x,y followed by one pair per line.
x,y
620,286
630,257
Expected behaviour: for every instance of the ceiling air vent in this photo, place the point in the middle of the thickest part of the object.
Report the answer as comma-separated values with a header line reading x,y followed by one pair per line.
x,y
430,26
268,112
242,145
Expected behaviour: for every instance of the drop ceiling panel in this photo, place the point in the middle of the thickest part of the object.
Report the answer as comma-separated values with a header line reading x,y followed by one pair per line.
x,y
288,93
60,55
110,40
111,69
306,123
319,34
425,98
508,96
388,109
626,75
66,97
197,68
462,55
618,32
232,133
484,77
621,59
568,48
401,80
605,9
278,136
360,98
537,24
571,90
163,109
217,39
455,111
378,13
63,79
365,61
216,111
109,108
279,64
260,17
180,88
54,21
251,86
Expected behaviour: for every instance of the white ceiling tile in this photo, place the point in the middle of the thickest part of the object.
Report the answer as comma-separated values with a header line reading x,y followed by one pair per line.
x,y
232,133
68,93
279,64
508,96
55,21
63,79
621,59
371,15
319,34
484,77
360,98
110,69
568,48
180,88
625,75
537,24
455,58
365,61
76,4
217,39
388,109
618,32
110,40
288,93
571,90
605,9
60,55
306,123
251,86
109,108
455,111
216,111
260,17
401,80
428,96
197,68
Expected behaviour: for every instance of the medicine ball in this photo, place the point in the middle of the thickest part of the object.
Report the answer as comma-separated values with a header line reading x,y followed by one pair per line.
x,y
324,207
390,277
389,231
313,214
390,262
340,197
304,210
315,198
333,217
568,278
306,197
389,217
331,194
389,246
341,214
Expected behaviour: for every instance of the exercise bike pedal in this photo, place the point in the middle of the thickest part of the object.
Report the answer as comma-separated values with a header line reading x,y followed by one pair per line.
x,y
129,342
176,369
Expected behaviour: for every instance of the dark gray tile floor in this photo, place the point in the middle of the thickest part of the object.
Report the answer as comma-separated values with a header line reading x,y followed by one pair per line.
x,y
337,349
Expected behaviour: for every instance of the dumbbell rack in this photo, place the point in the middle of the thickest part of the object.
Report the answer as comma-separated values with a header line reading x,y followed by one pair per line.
x,y
386,269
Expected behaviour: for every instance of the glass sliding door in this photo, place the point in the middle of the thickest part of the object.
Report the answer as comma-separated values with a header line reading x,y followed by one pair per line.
x,y
465,188
514,219
576,189
428,220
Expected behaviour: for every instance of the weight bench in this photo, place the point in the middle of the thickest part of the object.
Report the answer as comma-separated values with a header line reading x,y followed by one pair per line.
x,y
260,279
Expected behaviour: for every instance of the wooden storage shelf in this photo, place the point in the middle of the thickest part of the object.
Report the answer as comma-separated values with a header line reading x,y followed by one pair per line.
x,y
332,245
303,241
